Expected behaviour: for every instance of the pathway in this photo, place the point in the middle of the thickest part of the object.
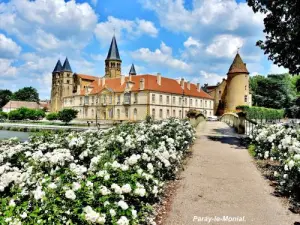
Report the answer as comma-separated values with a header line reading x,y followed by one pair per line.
x,y
221,180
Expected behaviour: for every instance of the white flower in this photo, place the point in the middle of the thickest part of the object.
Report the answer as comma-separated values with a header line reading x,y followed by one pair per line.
x,y
70,194
104,190
133,159
12,203
140,191
106,177
38,193
276,174
126,188
93,216
291,164
123,221
112,212
76,186
52,186
123,204
134,213
23,215
117,188
150,168
89,184
285,176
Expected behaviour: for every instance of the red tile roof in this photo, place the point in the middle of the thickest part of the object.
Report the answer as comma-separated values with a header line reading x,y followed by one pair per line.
x,y
167,86
19,104
86,77
238,66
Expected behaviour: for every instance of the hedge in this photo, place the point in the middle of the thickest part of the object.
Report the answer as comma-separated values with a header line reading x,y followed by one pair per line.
x,y
261,112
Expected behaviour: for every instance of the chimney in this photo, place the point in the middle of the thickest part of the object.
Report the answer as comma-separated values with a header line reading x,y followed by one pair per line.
x,y
103,81
158,78
182,83
122,79
142,84
189,85
198,87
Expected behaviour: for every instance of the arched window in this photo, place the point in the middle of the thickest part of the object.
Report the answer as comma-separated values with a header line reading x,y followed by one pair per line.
x,y
161,113
93,113
118,113
153,113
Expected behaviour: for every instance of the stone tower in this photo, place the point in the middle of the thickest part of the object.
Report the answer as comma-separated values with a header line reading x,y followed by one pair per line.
x,y
62,84
237,85
113,61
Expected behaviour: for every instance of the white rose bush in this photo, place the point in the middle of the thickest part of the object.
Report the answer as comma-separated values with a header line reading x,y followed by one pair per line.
x,y
110,176
281,144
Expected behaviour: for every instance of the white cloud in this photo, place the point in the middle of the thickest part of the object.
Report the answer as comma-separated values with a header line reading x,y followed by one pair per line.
x,y
225,45
6,68
124,28
274,69
211,78
211,14
161,57
8,48
191,42
49,24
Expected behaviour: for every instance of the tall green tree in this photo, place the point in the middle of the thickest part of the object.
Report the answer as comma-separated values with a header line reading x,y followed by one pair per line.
x,y
274,91
282,29
5,96
29,94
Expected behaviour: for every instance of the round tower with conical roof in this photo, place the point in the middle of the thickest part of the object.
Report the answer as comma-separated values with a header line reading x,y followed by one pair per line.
x,y
237,85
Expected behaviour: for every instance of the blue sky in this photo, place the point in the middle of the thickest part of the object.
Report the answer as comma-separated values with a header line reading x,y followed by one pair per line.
x,y
194,39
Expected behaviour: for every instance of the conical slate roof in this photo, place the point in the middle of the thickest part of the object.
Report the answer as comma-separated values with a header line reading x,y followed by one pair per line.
x,y
58,67
66,66
132,70
238,66
113,52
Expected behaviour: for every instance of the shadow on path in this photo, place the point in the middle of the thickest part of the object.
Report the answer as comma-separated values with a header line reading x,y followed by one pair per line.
x,y
236,142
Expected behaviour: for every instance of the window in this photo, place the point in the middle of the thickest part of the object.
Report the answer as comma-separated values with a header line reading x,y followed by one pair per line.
x,y
246,98
168,113
160,99
205,104
196,102
127,98
127,113
111,113
135,97
92,113
186,101
201,103
86,100
245,87
180,114
118,113
180,101
135,113
185,113
80,100
97,100
110,99
104,99
168,100
191,102
153,98
160,113
174,113
119,99
153,113
174,100
93,99
68,82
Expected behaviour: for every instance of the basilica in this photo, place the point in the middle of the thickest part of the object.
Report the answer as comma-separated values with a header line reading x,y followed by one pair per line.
x,y
116,96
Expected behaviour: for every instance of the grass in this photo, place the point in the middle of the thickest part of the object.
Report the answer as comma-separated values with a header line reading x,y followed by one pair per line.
x,y
251,150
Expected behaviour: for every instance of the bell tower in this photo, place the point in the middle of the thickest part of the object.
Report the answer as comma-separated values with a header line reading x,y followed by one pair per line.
x,y
113,61
55,89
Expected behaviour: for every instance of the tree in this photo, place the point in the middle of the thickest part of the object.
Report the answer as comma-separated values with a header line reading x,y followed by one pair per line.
x,y
52,116
5,96
274,91
29,94
282,29
67,115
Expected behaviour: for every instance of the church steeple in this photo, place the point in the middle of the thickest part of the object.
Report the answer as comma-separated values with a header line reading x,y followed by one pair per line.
x,y
132,70
66,66
58,67
113,61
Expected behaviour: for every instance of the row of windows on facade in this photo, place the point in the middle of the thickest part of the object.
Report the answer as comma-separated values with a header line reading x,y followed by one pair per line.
x,y
135,111
112,64
127,99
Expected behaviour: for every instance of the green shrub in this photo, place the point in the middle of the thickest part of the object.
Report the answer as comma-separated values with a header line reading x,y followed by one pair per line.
x,y
52,116
261,112
67,115
26,114
3,115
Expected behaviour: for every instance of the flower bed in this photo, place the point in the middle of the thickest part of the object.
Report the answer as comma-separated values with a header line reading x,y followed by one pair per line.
x,y
104,177
280,144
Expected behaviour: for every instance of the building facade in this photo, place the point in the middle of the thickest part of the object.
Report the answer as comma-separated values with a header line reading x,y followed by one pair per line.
x,y
234,90
118,97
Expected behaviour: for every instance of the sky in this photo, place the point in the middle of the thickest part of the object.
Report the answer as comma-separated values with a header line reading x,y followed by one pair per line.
x,y
193,39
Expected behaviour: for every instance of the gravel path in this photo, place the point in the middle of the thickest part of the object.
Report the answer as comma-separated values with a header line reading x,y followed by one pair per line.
x,y
221,180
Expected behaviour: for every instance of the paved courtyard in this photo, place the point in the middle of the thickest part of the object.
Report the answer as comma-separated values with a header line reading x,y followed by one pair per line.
x,y
222,180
